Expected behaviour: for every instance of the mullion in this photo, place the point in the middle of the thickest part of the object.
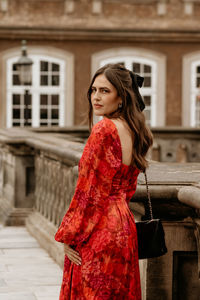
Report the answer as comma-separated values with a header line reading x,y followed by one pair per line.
x,y
49,110
49,73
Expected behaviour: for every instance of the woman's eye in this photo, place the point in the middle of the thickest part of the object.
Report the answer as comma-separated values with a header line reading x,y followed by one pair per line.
x,y
105,91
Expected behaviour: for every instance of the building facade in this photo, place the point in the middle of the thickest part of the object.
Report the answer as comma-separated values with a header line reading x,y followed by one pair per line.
x,y
69,39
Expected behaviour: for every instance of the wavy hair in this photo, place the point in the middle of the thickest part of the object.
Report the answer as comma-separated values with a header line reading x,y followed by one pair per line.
x,y
127,88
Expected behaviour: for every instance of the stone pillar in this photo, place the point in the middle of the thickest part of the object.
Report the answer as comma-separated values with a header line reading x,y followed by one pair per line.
x,y
69,6
4,5
162,7
181,153
96,7
155,152
188,7
17,184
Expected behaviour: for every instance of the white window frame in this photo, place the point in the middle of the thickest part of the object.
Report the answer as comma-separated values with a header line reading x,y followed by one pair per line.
x,y
67,82
144,56
194,92
189,89
36,89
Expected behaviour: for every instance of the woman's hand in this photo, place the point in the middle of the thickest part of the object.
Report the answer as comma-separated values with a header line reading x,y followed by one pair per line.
x,y
72,255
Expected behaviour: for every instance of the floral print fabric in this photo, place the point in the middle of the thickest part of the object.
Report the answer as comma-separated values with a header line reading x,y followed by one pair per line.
x,y
99,224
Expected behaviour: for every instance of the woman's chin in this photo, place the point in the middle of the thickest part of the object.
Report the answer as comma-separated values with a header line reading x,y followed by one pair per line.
x,y
98,114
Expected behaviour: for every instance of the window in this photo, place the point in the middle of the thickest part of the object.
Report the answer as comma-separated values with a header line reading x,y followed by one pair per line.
x,y
195,95
149,65
191,90
48,101
21,111
49,110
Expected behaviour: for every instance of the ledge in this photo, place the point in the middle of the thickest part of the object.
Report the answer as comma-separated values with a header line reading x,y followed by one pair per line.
x,y
107,34
190,195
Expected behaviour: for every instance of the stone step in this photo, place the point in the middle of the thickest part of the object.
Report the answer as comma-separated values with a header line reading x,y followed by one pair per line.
x,y
27,272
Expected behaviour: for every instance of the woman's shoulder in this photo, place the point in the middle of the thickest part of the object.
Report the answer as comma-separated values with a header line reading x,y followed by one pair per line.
x,y
103,128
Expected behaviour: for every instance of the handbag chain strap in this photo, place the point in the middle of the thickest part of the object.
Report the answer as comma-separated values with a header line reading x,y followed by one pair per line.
x,y
148,196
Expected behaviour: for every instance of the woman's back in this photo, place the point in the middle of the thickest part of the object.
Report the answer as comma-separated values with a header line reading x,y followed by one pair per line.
x,y
126,140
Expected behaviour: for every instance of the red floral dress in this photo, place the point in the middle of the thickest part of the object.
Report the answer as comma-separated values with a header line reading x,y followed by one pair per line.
x,y
99,224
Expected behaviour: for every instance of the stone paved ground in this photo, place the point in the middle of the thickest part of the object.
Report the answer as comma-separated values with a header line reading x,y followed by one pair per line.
x,y
27,272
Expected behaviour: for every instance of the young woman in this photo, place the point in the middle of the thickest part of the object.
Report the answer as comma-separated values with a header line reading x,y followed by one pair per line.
x,y
98,230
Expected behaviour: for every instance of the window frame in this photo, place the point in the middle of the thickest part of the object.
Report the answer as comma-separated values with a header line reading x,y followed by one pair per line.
x,y
67,99
189,91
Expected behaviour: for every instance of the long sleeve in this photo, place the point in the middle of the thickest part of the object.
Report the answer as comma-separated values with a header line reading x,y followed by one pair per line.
x,y
97,167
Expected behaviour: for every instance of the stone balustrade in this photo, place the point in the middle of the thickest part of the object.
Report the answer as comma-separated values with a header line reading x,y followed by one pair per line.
x,y
55,183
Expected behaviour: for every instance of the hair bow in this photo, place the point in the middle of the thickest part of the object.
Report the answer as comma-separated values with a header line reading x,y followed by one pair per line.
x,y
139,80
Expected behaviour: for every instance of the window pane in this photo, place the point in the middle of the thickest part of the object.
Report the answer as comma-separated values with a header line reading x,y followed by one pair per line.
x,y
16,113
44,66
198,81
43,113
136,68
55,99
147,100
16,99
27,99
43,124
54,123
198,69
29,113
55,80
16,80
14,67
54,114
147,69
147,115
55,68
147,82
43,80
16,124
43,99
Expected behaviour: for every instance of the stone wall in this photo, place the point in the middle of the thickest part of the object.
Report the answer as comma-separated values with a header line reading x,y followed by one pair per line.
x,y
101,13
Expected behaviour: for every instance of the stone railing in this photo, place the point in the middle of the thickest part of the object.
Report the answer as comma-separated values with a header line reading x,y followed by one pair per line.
x,y
55,182
171,144
176,144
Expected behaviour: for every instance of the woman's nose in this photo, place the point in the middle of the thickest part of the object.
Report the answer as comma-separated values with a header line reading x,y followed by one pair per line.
x,y
97,95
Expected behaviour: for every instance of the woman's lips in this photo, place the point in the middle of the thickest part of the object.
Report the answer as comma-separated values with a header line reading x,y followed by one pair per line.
x,y
97,105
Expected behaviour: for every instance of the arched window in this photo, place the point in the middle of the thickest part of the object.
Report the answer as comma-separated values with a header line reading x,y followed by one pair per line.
x,y
47,101
191,90
150,67
195,94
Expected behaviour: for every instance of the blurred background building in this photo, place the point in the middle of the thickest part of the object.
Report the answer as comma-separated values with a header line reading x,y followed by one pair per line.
x,y
43,122
69,39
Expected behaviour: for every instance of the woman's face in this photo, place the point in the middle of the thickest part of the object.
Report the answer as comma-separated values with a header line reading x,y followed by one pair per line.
x,y
104,97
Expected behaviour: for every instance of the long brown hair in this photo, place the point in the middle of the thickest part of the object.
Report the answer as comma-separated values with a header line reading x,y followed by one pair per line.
x,y
127,88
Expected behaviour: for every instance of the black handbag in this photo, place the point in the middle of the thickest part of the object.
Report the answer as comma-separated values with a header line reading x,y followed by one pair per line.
x,y
150,234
